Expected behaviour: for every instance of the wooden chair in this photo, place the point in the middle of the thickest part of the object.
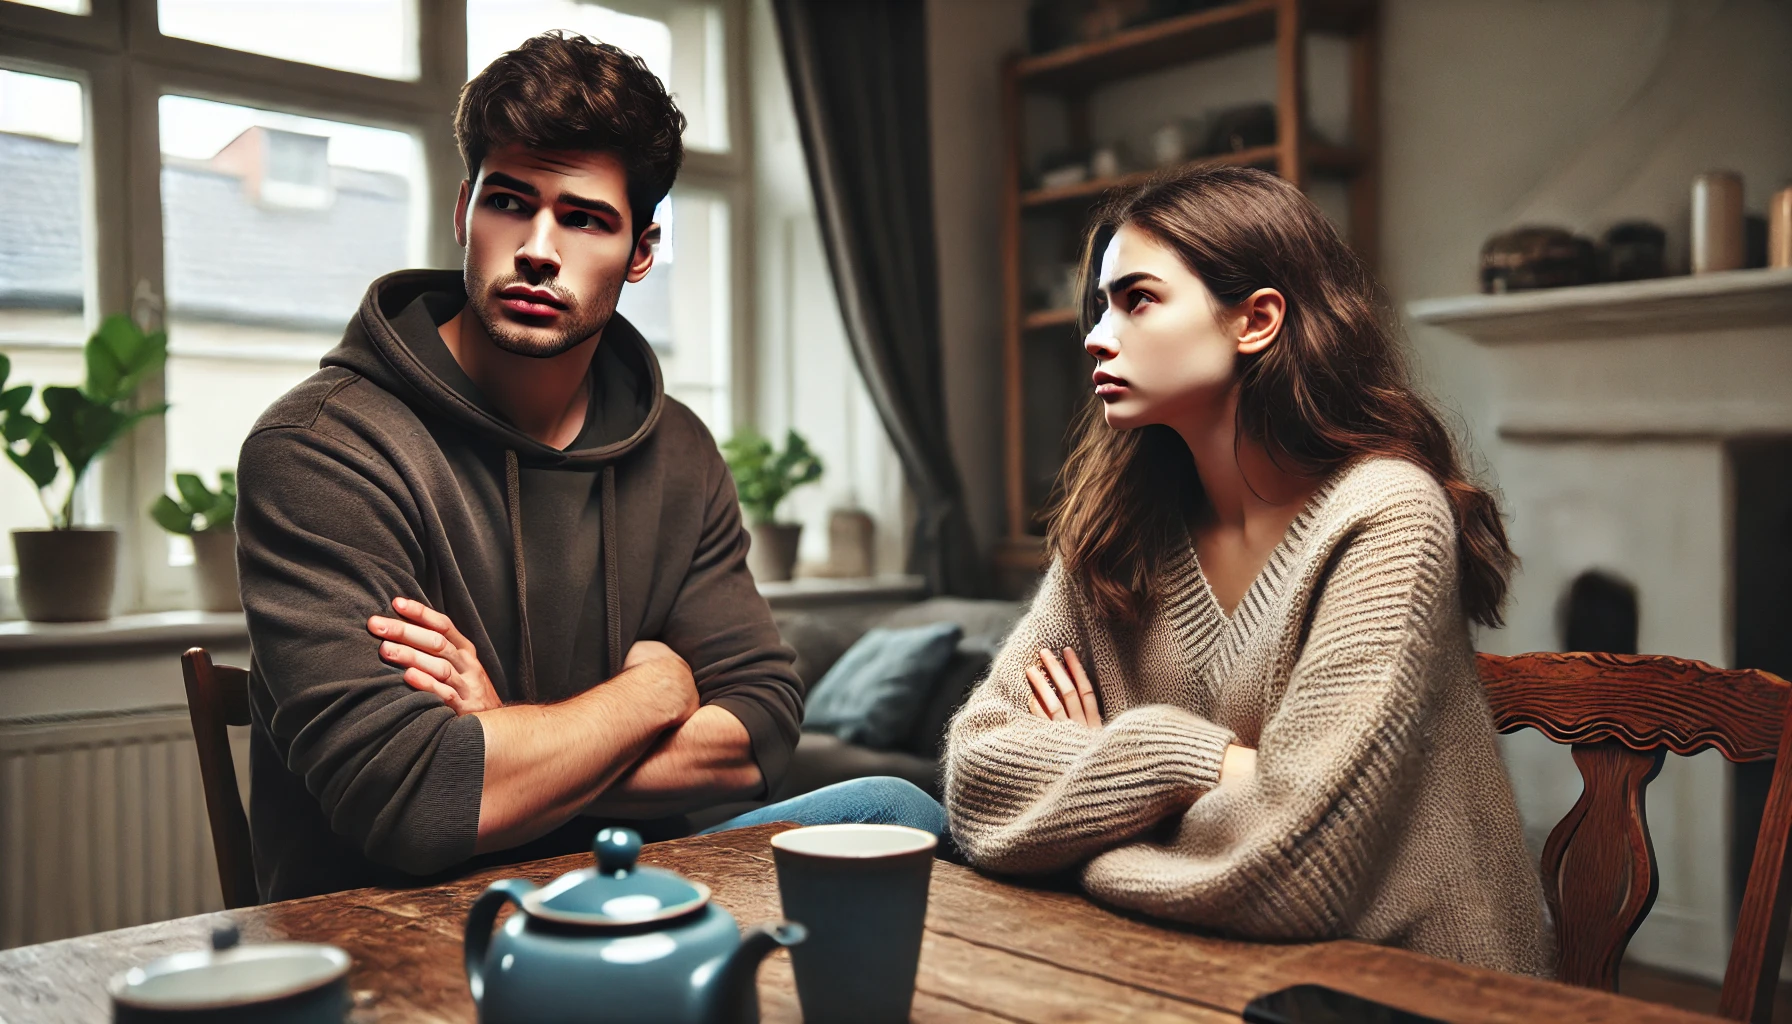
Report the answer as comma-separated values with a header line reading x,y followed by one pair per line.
x,y
217,696
1622,714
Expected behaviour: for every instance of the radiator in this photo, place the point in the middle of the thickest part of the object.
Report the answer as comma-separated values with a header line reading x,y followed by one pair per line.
x,y
102,824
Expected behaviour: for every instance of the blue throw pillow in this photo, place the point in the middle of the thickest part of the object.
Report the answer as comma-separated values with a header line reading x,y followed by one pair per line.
x,y
877,689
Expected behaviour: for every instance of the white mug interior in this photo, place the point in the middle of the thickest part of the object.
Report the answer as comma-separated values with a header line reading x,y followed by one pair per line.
x,y
854,841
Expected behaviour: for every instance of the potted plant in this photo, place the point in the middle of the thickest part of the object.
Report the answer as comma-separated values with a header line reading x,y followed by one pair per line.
x,y
66,572
208,519
764,476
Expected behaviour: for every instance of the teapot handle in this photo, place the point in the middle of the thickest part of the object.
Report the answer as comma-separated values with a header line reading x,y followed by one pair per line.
x,y
479,926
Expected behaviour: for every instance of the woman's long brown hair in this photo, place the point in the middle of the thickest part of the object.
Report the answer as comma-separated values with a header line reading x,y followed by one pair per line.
x,y
1333,387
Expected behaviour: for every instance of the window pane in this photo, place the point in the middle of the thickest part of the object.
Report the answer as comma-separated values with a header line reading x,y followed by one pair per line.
x,y
682,306
372,37
43,255
682,45
273,227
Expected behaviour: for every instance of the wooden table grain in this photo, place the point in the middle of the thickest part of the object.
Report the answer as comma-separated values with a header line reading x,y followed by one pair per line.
x,y
994,952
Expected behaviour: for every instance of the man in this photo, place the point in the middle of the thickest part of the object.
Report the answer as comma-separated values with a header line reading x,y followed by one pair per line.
x,y
494,577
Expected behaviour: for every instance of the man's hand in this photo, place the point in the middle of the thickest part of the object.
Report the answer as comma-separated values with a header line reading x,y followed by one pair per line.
x,y
1060,693
671,676
546,762
435,656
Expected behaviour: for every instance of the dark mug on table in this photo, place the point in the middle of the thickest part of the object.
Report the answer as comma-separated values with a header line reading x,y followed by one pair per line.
x,y
861,891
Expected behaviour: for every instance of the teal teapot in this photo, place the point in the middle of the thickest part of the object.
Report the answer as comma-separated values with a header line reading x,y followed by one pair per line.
x,y
614,944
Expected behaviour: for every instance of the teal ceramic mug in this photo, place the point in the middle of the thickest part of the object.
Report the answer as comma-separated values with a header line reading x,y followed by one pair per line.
x,y
861,893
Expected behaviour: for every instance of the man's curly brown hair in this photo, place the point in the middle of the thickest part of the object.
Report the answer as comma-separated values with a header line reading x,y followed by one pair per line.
x,y
567,92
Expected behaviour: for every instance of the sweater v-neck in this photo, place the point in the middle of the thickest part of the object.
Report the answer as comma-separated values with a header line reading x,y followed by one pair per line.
x,y
1200,619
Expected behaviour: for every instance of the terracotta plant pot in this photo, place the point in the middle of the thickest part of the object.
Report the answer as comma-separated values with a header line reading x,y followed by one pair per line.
x,y
66,575
214,562
772,556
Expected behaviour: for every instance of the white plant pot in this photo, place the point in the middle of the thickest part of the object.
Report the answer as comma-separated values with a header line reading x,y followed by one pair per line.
x,y
214,562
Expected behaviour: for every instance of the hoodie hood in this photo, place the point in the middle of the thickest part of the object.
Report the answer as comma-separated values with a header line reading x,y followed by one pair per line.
x,y
375,346
393,342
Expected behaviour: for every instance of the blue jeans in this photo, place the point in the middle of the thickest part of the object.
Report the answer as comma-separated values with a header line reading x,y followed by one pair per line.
x,y
878,800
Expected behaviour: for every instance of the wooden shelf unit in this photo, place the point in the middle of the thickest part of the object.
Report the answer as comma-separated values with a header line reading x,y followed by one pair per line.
x,y
1071,74
1217,30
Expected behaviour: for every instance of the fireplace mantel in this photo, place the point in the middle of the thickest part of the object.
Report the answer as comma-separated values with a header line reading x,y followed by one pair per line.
x,y
1709,302
1682,358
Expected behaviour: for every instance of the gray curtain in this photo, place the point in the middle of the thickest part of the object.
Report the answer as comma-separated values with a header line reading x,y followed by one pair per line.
x,y
858,74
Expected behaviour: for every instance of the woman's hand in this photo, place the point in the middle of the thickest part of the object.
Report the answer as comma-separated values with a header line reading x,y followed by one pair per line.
x,y
434,656
1238,765
1061,690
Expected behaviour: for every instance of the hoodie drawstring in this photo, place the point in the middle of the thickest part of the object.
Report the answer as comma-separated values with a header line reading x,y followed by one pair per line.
x,y
612,575
513,500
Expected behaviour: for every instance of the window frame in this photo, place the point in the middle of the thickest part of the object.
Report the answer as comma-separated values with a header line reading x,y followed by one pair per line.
x,y
125,65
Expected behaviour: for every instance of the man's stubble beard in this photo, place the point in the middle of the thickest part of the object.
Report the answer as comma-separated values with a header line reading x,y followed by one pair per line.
x,y
579,322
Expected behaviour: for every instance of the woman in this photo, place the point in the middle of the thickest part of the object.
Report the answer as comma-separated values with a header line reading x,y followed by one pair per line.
x,y
1245,696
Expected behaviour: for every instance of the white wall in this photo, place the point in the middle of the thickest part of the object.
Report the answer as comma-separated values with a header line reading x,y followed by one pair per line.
x,y
804,371
1577,114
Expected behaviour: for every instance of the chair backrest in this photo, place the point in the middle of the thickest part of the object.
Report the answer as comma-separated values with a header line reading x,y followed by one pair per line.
x,y
218,696
1623,713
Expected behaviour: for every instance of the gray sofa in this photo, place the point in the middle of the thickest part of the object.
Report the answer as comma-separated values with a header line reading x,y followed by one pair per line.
x,y
821,634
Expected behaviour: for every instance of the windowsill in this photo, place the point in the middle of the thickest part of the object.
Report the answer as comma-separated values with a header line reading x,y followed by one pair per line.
x,y
195,628
812,591
148,628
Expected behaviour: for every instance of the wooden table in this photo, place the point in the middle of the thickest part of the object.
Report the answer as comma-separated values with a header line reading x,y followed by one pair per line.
x,y
994,952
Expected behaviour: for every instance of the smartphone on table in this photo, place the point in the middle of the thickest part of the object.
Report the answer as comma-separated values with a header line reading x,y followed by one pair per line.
x,y
1316,1004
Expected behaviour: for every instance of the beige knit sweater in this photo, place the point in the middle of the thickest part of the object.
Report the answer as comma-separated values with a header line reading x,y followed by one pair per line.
x,y
1380,809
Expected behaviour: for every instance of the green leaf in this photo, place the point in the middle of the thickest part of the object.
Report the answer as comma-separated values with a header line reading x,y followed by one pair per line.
x,y
223,514
195,497
763,476
119,355
5,368
227,482
19,426
80,427
12,400
150,358
38,461
171,517
106,351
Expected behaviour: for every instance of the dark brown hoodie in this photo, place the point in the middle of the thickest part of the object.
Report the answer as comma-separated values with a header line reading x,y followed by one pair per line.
x,y
386,474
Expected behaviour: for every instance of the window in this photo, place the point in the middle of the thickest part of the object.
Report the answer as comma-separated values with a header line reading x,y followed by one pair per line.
x,y
272,227
682,307
373,37
43,253
287,182
680,40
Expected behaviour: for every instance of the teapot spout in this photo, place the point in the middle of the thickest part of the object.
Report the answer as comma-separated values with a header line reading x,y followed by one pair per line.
x,y
733,996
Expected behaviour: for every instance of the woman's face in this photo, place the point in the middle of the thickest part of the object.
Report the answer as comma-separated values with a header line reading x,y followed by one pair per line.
x,y
1164,350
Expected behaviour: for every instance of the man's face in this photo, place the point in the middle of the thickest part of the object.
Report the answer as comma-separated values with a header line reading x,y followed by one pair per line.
x,y
549,245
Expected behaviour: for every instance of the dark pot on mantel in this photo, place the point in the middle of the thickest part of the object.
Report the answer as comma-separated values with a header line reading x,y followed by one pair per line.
x,y
66,575
772,556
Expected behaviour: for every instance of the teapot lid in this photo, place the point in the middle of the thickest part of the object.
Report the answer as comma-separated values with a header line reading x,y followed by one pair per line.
x,y
229,975
616,892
